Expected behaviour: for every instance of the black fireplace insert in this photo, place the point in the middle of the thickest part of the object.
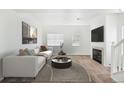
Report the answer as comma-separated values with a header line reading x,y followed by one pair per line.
x,y
97,55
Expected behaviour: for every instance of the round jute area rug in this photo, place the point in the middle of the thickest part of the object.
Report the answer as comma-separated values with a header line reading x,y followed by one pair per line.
x,y
75,74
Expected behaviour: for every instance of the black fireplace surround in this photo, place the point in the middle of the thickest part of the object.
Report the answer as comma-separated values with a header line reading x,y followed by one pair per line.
x,y
97,55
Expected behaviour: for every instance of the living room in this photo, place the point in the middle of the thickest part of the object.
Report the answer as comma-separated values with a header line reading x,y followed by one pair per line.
x,y
67,31
61,46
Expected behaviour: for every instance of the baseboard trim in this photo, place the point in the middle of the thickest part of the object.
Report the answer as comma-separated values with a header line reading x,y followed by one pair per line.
x,y
75,54
78,54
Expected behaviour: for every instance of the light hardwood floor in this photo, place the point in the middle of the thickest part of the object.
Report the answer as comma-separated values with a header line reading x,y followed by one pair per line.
x,y
98,72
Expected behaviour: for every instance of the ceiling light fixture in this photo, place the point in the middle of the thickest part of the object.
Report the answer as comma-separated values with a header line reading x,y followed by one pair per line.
x,y
78,18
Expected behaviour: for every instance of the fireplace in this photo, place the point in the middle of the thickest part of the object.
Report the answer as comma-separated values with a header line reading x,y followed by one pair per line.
x,y
97,55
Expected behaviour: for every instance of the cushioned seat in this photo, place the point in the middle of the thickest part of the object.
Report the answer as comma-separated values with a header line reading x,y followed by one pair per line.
x,y
22,66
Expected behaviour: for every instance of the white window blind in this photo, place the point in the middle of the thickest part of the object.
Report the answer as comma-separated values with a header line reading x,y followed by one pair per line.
x,y
76,39
55,39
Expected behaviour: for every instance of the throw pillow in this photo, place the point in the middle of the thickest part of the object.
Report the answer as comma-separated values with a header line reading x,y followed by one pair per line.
x,y
43,48
22,52
30,52
36,51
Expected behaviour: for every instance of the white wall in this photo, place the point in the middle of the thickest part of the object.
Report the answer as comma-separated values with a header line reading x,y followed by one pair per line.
x,y
120,23
68,30
111,34
29,18
9,28
66,23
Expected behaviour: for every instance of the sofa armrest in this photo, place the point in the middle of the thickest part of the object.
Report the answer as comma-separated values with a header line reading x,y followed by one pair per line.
x,y
47,54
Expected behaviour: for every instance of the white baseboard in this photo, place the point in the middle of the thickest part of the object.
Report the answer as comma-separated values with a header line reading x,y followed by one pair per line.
x,y
75,54
78,54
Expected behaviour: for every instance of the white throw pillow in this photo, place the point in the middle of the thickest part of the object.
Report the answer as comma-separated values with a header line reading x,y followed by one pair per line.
x,y
36,51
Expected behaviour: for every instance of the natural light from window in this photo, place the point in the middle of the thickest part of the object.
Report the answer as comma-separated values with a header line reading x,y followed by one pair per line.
x,y
55,39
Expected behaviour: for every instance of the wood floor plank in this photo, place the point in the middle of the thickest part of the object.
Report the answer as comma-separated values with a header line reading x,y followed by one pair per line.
x,y
98,72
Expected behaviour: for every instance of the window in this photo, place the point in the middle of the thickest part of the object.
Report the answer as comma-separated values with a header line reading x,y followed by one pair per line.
x,y
76,39
55,39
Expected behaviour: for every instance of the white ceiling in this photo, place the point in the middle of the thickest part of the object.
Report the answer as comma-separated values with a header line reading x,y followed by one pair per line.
x,y
68,10
50,16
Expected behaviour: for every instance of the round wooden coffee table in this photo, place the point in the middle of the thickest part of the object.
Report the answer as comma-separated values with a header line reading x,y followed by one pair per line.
x,y
61,62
